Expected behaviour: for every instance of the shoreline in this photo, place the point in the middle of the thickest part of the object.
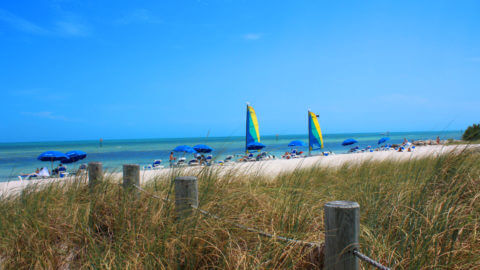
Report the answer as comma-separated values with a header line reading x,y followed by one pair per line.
x,y
269,168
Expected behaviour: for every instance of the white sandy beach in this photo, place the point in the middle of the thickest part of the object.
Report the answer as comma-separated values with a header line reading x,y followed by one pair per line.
x,y
271,168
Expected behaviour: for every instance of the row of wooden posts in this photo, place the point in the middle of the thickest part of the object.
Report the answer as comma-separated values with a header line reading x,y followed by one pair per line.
x,y
342,218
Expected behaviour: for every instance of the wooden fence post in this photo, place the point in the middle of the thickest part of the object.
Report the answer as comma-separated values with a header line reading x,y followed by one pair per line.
x,y
186,195
342,226
95,173
131,175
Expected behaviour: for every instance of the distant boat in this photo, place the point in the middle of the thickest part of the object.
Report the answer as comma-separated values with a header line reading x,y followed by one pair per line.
x,y
315,139
252,137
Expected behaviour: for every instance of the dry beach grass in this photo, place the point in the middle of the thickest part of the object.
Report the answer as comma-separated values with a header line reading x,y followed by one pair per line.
x,y
415,214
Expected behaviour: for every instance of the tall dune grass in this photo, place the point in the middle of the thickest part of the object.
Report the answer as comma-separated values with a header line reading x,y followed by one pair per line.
x,y
417,214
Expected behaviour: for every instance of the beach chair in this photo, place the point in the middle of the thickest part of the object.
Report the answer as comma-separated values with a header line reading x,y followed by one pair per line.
x,y
182,162
208,160
24,176
157,164
193,162
62,172
228,159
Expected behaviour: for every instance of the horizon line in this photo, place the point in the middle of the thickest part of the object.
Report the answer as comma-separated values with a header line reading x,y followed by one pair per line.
x,y
237,136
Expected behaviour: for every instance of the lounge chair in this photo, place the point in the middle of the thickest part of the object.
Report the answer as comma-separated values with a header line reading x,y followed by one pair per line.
x,y
228,159
181,162
27,176
157,164
193,162
148,167
62,172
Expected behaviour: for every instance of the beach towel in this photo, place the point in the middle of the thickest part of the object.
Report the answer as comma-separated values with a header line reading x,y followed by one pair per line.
x,y
44,172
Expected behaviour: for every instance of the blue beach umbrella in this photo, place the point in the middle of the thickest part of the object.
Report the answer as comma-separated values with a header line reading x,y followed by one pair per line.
x,y
382,140
184,148
297,143
74,156
52,156
202,148
349,142
255,146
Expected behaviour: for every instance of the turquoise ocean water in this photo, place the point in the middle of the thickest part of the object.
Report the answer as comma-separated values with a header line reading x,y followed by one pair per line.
x,y
16,158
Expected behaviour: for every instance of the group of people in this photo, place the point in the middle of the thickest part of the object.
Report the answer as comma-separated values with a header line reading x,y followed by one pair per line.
x,y
200,158
59,168
44,172
257,157
293,154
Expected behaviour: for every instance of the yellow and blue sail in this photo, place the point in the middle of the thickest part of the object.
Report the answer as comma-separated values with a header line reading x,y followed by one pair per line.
x,y
315,139
253,135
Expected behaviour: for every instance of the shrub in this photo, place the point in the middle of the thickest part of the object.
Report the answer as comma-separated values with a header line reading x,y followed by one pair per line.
x,y
472,133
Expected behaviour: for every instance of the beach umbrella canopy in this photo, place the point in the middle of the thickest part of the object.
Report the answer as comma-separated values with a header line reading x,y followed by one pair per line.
x,y
382,140
184,148
255,146
297,143
52,156
202,148
74,156
349,142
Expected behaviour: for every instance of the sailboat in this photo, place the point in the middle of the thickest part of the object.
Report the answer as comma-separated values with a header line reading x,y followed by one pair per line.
x,y
252,137
315,139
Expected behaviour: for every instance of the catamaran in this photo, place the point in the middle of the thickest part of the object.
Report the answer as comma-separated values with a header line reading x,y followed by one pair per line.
x,y
252,137
315,139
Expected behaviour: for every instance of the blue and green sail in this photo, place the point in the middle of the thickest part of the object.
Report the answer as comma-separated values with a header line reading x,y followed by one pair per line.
x,y
253,135
315,139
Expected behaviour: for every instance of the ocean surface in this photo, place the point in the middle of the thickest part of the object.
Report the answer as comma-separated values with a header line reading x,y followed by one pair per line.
x,y
17,158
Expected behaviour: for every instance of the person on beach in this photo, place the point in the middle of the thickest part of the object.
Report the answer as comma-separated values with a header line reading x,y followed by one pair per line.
x,y
37,171
172,159
438,140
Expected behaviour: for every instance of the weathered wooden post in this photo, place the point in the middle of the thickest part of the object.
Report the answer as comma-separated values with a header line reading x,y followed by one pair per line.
x,y
95,173
186,195
342,226
131,176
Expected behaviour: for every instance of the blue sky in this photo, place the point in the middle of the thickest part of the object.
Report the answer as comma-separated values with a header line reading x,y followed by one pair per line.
x,y
143,69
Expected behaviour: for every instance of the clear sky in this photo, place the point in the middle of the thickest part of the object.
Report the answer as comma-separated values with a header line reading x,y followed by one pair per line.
x,y
143,69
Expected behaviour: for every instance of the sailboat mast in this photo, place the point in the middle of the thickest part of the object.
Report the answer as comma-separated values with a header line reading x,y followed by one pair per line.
x,y
309,130
246,132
